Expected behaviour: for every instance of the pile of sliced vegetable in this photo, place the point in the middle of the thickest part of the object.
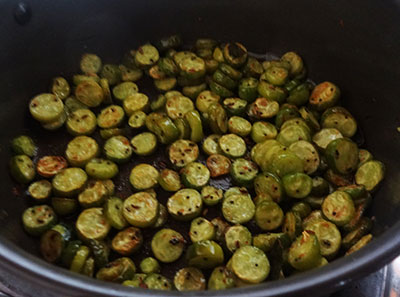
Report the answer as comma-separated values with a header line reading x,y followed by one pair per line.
x,y
299,186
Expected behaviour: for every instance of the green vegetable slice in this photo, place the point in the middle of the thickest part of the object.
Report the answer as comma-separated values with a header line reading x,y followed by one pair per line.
x,y
22,169
370,174
81,150
167,245
183,152
127,241
236,237
46,108
205,254
201,229
38,219
69,182
268,215
92,224
250,264
118,149
189,279
195,175
338,208
238,208
141,209
185,205
113,209
101,168
81,122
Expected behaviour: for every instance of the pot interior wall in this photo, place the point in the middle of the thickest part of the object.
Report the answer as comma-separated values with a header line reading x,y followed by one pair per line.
x,y
354,44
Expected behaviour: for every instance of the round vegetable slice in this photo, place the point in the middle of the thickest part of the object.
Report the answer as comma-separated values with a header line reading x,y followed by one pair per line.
x,y
195,175
189,279
232,145
250,264
342,155
201,229
262,131
221,278
169,180
90,63
117,271
69,182
81,122
324,95
60,88
243,172
325,137
141,209
46,108
22,169
92,224
185,204
270,184
146,56
297,185
89,93
155,281
238,208
210,144
81,150
263,108
328,235
167,245
94,195
218,119
23,145
101,169
338,208
268,215
40,190
178,105
135,102
218,165
370,174
183,152
124,90
38,219
236,237
110,117
143,176
239,126
118,149
205,99
211,195
144,144
307,152
127,241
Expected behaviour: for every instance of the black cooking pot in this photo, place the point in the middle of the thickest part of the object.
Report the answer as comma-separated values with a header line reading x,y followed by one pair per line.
x,y
355,44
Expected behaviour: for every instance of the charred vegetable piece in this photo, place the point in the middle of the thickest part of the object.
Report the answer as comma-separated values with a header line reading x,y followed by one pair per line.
x,y
338,208
263,108
221,278
92,224
118,149
46,108
232,145
64,206
127,241
304,253
274,93
295,61
38,219
89,93
235,54
94,195
266,241
195,175
144,144
79,260
110,117
324,95
177,106
185,204
268,183
201,229
135,102
236,237
141,209
167,245
364,156
211,195
235,106
210,144
370,174
340,118
243,172
52,245
261,131
169,180
342,155
250,264
144,176
362,228
163,127
328,236
183,152
205,99
117,271
205,254
101,168
23,145
218,165
156,281
239,126
189,279
81,150
292,224
69,182
238,208
248,89
81,122
307,152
